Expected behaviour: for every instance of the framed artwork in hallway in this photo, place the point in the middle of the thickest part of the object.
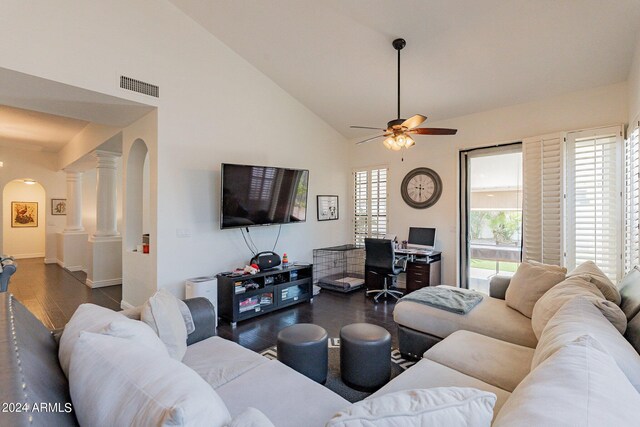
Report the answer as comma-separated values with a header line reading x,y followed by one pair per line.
x,y
58,206
24,214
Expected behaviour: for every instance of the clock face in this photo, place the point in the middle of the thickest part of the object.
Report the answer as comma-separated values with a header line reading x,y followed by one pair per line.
x,y
421,188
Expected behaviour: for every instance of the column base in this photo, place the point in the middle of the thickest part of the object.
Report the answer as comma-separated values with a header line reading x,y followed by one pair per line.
x,y
72,248
105,261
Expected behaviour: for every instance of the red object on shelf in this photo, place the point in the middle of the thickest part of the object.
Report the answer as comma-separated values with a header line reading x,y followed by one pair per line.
x,y
145,249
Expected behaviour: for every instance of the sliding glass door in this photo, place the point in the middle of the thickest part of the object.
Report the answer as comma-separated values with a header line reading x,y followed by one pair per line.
x,y
490,214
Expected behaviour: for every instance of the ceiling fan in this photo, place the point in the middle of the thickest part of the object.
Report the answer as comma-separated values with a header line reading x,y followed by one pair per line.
x,y
398,131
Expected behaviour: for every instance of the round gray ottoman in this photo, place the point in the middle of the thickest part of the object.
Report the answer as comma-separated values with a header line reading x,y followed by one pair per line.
x,y
303,347
365,356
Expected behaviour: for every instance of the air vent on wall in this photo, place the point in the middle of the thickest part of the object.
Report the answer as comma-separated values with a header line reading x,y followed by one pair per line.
x,y
139,86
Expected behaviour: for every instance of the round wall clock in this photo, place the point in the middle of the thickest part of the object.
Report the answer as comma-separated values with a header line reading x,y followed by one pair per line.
x,y
421,188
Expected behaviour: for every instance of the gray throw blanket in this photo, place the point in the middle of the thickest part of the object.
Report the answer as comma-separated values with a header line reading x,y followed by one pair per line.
x,y
446,298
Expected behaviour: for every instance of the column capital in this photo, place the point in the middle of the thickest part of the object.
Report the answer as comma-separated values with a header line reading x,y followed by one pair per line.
x,y
106,159
73,175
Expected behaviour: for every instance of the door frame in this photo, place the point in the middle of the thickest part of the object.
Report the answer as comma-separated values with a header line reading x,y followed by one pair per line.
x,y
465,197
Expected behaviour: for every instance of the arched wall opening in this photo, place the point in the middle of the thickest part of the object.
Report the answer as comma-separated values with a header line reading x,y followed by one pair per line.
x,y
137,195
24,212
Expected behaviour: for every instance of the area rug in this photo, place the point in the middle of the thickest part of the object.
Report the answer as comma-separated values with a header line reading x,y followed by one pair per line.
x,y
334,382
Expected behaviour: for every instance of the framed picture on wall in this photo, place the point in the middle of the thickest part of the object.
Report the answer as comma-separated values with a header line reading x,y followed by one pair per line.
x,y
24,214
327,208
58,206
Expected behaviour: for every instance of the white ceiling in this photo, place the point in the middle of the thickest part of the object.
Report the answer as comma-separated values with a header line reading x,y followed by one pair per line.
x,y
36,131
462,56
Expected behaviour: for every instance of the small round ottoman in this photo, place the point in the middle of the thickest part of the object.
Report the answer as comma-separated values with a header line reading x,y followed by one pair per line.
x,y
365,356
303,347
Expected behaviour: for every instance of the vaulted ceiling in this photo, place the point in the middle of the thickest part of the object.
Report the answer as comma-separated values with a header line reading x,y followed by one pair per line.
x,y
462,56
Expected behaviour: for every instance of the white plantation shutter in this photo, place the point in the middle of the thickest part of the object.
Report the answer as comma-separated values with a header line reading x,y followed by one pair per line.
x,y
593,199
370,204
542,225
632,199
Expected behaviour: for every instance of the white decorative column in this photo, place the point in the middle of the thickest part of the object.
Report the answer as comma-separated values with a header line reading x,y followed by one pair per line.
x,y
106,209
72,242
105,245
74,202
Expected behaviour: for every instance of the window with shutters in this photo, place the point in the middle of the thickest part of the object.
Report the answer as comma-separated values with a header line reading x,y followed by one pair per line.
x,y
543,172
632,198
594,212
370,203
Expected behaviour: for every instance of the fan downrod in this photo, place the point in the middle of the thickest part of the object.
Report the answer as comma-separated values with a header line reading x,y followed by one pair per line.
x,y
398,44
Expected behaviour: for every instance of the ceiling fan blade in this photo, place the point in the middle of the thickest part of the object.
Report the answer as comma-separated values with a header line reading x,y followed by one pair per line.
x,y
433,131
414,121
365,127
369,139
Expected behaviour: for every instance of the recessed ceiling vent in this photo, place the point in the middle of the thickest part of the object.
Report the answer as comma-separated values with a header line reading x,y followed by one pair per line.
x,y
139,86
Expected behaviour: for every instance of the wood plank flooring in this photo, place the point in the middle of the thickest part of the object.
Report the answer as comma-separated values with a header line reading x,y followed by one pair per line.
x,y
53,294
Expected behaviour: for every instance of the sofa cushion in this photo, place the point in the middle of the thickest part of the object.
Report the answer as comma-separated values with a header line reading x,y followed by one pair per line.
x,y
579,385
251,417
87,317
493,361
597,277
137,331
491,317
442,406
529,283
632,334
578,317
163,313
286,397
429,374
117,382
572,287
630,293
219,361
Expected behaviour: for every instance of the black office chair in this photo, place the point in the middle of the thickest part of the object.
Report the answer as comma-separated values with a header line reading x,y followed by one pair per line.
x,y
381,260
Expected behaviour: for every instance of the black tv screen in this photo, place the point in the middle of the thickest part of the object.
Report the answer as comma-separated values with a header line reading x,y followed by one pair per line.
x,y
262,195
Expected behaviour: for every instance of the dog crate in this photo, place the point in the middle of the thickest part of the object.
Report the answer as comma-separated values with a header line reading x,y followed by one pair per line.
x,y
339,268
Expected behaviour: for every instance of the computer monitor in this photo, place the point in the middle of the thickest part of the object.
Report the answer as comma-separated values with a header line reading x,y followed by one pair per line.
x,y
422,238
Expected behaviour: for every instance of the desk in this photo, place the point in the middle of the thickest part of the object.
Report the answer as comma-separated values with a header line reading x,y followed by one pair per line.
x,y
423,269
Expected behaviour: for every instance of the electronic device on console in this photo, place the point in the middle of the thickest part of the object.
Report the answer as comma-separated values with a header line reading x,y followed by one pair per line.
x,y
266,260
422,238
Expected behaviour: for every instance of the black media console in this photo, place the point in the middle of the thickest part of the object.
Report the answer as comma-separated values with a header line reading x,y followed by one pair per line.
x,y
244,297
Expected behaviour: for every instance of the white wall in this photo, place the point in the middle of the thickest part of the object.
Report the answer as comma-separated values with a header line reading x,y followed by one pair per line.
x,y
214,107
23,242
634,86
595,107
41,166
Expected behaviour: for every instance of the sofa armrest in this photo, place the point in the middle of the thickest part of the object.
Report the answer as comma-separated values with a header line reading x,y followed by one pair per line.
x,y
498,286
204,319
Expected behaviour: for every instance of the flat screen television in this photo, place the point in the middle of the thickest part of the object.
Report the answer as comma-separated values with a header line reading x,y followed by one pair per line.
x,y
262,195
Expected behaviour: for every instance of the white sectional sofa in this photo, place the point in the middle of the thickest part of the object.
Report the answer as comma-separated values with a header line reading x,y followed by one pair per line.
x,y
494,348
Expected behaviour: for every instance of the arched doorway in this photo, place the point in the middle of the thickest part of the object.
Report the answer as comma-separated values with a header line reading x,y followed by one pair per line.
x,y
24,219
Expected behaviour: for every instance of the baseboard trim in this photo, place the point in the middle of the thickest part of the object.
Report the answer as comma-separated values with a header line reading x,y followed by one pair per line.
x,y
125,305
24,256
71,268
51,261
102,283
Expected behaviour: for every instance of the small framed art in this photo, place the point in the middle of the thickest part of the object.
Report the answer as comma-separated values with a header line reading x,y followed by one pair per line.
x,y
327,208
24,214
58,206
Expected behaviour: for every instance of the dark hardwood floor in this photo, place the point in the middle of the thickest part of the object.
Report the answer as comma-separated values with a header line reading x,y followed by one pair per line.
x,y
52,294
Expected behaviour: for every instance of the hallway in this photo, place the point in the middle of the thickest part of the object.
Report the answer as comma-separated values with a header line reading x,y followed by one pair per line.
x,y
52,293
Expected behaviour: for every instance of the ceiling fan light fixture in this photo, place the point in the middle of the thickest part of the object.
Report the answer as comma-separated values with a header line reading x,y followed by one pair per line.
x,y
389,142
410,142
401,140
396,147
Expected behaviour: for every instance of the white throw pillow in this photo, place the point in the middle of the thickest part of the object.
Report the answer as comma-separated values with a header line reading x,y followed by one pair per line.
x,y
87,317
570,288
440,406
117,382
162,313
251,417
529,283
136,331
579,385
579,317
598,278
